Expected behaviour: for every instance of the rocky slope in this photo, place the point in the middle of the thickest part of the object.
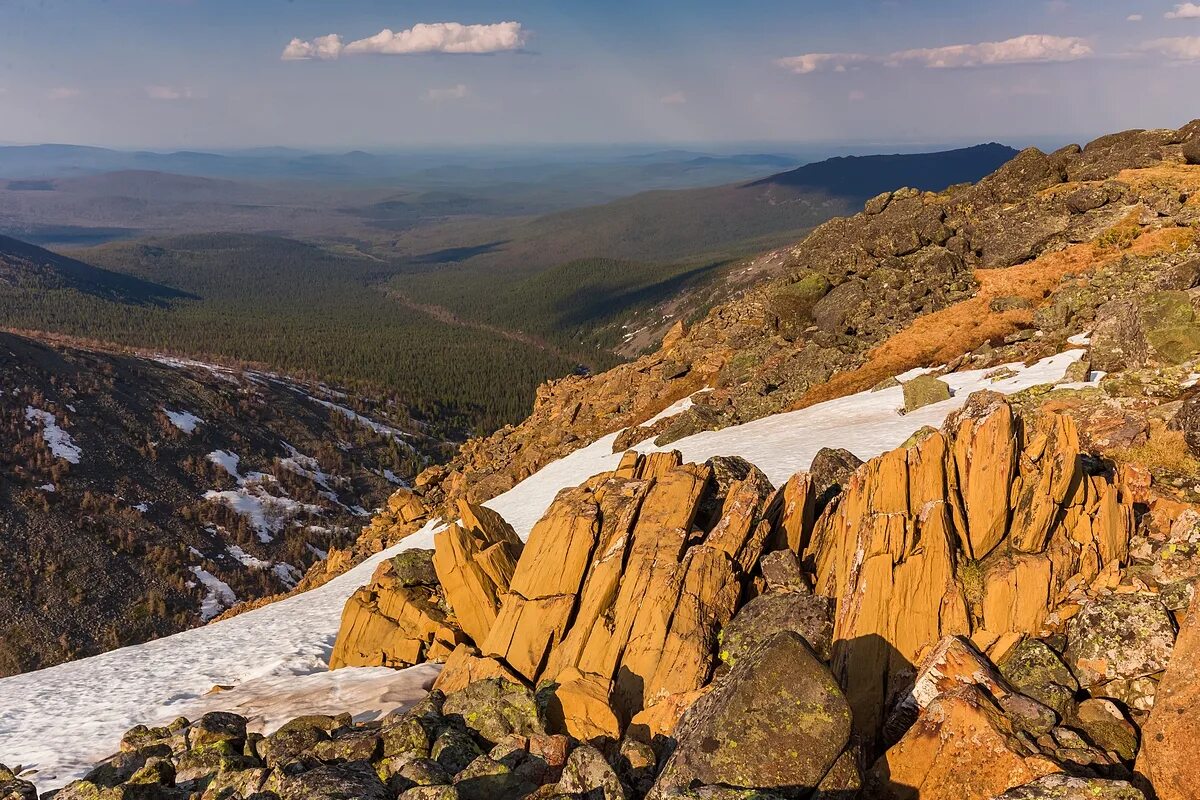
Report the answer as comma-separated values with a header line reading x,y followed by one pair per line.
x,y
1001,608
140,496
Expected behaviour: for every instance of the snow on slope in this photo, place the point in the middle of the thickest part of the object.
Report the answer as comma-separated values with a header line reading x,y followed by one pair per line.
x,y
61,720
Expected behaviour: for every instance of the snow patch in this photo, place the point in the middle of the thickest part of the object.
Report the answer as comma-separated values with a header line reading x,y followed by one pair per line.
x,y
59,441
183,420
227,461
219,596
265,512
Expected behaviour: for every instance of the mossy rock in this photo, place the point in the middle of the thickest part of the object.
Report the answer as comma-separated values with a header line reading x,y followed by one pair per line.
x,y
1175,344
414,568
792,305
494,708
924,390
777,722
1119,637
1038,672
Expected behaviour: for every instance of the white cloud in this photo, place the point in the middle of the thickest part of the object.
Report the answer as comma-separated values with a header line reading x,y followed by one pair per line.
x,y
168,93
673,99
325,48
1134,18
1029,49
456,92
1033,48
425,37
62,93
1184,11
822,62
1178,48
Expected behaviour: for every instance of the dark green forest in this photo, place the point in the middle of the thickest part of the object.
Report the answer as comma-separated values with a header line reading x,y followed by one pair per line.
x,y
298,309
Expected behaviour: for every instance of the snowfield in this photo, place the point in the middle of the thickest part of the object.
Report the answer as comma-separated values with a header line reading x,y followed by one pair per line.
x,y
61,720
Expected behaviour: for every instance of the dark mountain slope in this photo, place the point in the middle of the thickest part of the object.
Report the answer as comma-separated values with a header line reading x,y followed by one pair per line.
x,y
28,266
866,176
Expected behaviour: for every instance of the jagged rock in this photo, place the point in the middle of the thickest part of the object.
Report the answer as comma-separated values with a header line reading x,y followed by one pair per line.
x,y
495,708
657,722
418,772
912,551
924,390
475,559
1106,727
1167,756
1061,786
355,780
778,720
844,779
830,470
396,620
1119,637
637,766
580,706
782,573
768,614
465,666
234,784
587,774
1187,419
961,748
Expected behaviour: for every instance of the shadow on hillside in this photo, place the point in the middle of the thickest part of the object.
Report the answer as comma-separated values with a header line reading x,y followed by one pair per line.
x,y
588,305
21,260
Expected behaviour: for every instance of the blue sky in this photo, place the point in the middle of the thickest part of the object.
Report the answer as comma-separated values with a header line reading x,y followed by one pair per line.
x,y
227,73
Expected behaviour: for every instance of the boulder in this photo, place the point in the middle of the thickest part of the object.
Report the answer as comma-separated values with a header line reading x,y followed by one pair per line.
x,y
962,747
1061,786
1106,727
781,572
766,615
777,721
1191,150
1187,420
1036,670
355,780
924,390
830,470
1119,637
588,775
1167,756
495,708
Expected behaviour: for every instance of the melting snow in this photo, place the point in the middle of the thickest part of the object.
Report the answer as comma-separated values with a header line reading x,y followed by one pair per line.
x,y
142,507
58,440
48,487
245,558
227,461
266,513
219,597
184,420
62,719
378,427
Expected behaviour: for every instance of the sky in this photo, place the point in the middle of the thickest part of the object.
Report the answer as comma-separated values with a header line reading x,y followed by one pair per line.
x,y
378,74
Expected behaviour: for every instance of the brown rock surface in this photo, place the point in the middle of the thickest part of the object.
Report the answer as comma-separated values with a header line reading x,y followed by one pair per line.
x,y
1167,757
394,621
961,748
475,558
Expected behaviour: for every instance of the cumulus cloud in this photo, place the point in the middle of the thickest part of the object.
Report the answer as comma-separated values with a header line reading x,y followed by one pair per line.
x,y
1033,48
325,48
457,92
62,93
1184,11
425,37
673,99
1134,18
1029,49
822,62
168,93
1178,48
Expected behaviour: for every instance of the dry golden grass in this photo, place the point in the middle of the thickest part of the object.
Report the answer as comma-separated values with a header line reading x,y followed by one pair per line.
x,y
1184,177
944,335
1165,451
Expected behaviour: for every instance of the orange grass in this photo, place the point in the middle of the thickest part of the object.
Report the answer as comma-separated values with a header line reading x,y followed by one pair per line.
x,y
946,334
